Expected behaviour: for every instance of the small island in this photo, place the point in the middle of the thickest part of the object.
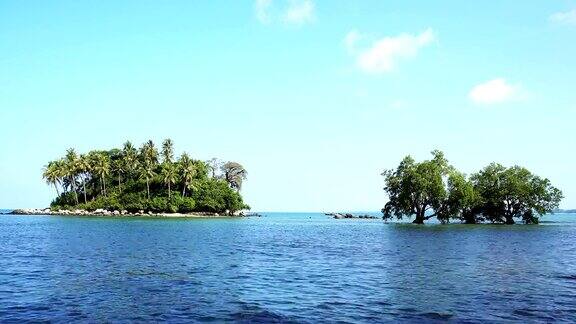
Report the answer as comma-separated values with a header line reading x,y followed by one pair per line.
x,y
144,181
496,194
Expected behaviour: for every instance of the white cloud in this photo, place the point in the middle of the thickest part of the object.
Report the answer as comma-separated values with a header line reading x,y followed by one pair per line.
x,y
262,8
568,17
299,12
495,91
384,54
289,12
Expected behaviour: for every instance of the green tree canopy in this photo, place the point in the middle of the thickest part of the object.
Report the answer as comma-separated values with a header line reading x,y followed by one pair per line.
x,y
509,193
416,188
497,194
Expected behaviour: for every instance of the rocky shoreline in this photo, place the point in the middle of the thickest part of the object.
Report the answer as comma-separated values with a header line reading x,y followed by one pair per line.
x,y
122,213
349,216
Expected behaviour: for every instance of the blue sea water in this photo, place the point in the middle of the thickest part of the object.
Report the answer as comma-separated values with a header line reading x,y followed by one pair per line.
x,y
284,268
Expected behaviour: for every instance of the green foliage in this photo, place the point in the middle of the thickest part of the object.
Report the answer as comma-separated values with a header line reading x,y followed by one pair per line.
x,y
134,180
215,195
497,194
159,204
134,201
110,202
184,204
514,192
65,200
416,188
463,200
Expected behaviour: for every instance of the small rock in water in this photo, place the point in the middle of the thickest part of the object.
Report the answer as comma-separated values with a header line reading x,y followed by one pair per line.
x,y
349,216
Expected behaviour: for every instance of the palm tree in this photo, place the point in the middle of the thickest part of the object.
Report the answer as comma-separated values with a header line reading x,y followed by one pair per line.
x,y
169,176
51,174
168,151
149,158
118,168
147,172
149,153
188,169
102,168
71,161
130,157
92,158
84,166
234,174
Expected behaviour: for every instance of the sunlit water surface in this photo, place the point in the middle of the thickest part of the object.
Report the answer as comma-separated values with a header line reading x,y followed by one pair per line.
x,y
284,268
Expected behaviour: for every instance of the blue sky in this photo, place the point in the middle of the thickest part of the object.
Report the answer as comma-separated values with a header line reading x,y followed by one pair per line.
x,y
315,98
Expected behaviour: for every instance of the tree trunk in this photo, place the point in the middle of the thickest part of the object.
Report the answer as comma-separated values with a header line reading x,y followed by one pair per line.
x,y
119,183
469,217
104,185
148,188
184,191
73,182
84,188
469,220
56,187
419,218
169,193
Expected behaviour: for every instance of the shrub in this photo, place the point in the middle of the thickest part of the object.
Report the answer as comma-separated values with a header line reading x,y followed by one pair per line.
x,y
134,202
183,204
158,204
65,201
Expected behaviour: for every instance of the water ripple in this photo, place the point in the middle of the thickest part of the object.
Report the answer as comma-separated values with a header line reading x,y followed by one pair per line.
x,y
302,268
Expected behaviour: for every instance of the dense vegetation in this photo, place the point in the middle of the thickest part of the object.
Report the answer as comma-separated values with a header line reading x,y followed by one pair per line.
x,y
145,179
496,194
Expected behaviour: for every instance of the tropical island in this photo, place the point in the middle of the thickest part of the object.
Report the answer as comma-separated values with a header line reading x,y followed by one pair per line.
x,y
131,181
495,194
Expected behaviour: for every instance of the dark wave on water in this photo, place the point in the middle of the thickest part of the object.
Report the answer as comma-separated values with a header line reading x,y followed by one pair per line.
x,y
284,268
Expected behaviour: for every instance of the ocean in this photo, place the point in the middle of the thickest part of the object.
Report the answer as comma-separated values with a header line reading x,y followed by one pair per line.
x,y
284,267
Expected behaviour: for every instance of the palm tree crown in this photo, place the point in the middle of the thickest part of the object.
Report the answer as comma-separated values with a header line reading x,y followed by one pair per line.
x,y
168,151
52,174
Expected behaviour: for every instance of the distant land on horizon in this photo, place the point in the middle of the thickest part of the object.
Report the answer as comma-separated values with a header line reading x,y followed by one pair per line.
x,y
556,211
565,211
